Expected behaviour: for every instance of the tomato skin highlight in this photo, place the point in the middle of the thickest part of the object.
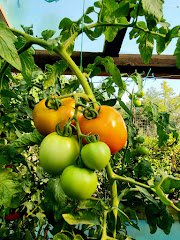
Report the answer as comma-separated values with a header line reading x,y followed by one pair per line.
x,y
78,183
110,127
57,152
45,119
96,155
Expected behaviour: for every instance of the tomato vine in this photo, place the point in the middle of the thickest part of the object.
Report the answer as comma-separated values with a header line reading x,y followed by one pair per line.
x,y
49,197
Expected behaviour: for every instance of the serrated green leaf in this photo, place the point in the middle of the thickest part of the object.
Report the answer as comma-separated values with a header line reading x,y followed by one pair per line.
x,y
98,4
143,169
90,204
111,32
154,8
61,236
78,237
65,23
87,19
146,45
10,189
170,183
82,217
7,48
147,195
47,34
90,10
53,71
8,94
177,53
165,222
27,62
28,139
112,69
123,9
123,105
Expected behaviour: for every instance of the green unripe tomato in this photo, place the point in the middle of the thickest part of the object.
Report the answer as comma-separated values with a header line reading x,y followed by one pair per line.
x,y
140,139
140,94
96,155
57,152
142,151
137,102
78,183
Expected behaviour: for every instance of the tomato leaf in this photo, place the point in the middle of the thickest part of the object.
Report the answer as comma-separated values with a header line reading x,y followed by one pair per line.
x,y
47,34
61,236
87,19
123,105
177,53
82,217
8,50
146,45
90,204
143,169
112,69
147,194
28,65
153,8
11,191
28,139
53,72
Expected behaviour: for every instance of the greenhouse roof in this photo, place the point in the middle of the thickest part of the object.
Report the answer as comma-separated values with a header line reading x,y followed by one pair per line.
x,y
46,14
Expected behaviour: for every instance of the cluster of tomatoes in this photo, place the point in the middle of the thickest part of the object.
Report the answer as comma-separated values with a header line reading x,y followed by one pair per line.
x,y
136,98
71,156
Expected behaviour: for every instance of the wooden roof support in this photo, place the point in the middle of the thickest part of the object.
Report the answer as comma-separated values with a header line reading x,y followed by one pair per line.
x,y
160,65
3,16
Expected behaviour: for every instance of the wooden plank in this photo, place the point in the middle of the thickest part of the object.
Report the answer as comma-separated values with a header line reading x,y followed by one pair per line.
x,y
3,16
160,65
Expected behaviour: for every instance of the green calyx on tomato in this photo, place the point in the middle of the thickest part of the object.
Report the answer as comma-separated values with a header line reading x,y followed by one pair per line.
x,y
96,155
57,152
108,125
78,183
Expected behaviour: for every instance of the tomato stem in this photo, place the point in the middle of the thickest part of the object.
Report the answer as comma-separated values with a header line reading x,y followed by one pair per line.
x,y
83,80
114,196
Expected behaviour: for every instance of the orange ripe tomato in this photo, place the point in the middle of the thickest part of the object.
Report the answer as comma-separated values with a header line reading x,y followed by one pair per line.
x,y
110,127
45,119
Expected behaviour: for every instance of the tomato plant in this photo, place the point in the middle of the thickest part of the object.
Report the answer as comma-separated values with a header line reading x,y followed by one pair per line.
x,y
43,174
78,183
57,152
109,126
96,155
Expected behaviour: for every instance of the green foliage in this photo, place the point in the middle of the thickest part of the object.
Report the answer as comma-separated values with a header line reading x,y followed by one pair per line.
x,y
133,178
8,51
177,53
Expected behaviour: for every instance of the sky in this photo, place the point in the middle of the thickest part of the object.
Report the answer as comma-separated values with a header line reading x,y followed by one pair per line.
x,y
43,15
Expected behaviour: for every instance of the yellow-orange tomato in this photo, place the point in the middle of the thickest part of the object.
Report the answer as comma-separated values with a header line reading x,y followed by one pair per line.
x,y
45,119
110,127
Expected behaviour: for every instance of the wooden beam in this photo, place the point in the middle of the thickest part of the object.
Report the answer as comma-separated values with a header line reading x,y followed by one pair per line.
x,y
3,16
160,65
